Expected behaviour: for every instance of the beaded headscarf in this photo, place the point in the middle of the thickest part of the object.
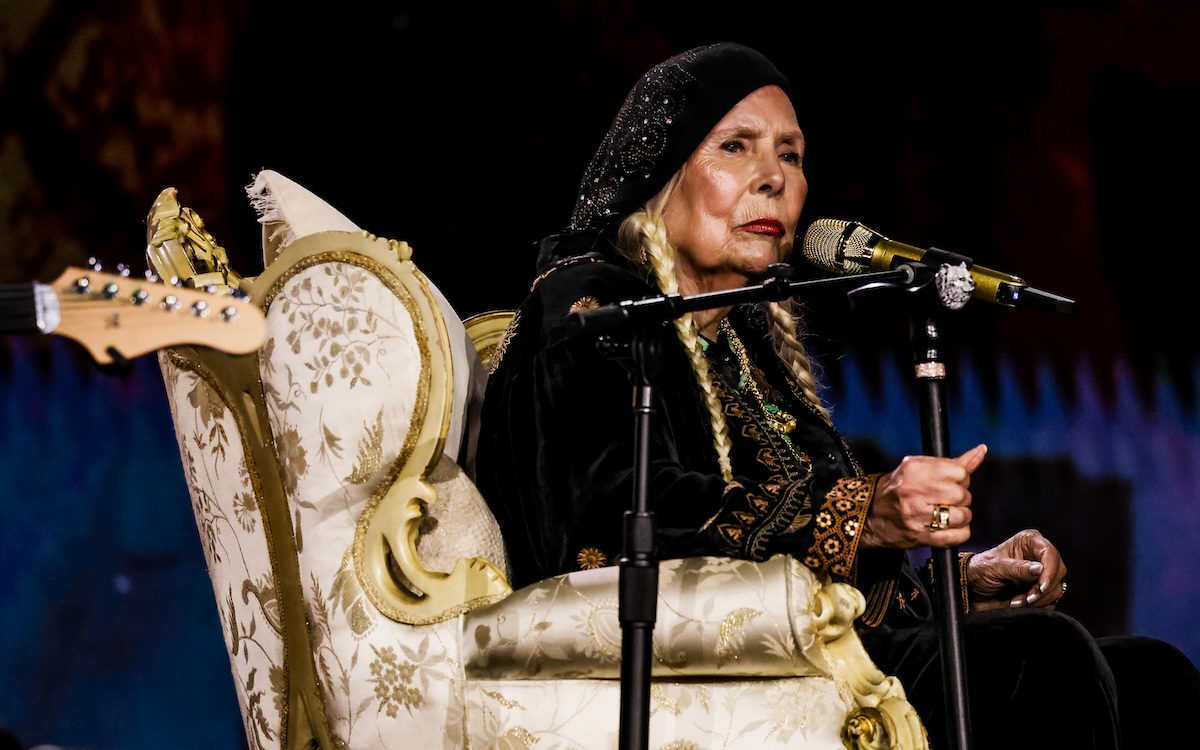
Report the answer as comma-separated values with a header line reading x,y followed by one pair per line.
x,y
665,117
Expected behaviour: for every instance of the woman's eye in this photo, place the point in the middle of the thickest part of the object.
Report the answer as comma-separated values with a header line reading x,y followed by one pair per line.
x,y
732,146
792,157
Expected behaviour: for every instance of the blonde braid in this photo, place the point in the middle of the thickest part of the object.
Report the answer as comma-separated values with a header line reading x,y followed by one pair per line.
x,y
785,332
648,224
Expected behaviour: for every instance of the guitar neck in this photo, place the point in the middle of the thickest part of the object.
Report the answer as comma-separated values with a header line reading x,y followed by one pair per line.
x,y
24,308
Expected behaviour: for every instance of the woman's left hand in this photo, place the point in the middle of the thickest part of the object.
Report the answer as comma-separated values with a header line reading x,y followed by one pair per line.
x,y
1025,570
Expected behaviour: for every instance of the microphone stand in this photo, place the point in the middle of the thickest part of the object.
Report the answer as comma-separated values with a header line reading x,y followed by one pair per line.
x,y
931,377
930,372
637,601
638,353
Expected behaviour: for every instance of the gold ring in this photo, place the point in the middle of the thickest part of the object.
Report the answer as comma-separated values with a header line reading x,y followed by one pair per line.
x,y
941,518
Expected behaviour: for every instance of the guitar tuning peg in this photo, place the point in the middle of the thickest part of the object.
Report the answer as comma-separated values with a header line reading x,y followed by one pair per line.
x,y
151,276
122,270
94,264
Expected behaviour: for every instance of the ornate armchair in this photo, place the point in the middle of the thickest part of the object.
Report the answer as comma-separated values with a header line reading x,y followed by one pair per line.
x,y
361,579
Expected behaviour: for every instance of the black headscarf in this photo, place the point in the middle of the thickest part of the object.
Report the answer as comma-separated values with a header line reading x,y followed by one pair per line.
x,y
665,117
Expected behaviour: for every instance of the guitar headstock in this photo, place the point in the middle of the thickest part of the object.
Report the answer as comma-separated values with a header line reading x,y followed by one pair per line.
x,y
112,313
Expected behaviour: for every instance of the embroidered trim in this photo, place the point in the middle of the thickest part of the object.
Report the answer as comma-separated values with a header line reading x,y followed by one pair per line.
x,y
776,452
493,360
745,531
564,263
964,591
879,598
780,420
838,525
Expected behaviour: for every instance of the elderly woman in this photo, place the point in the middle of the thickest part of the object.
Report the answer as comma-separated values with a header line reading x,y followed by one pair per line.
x,y
698,187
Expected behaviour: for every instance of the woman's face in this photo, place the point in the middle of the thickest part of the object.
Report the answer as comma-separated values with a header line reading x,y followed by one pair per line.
x,y
735,209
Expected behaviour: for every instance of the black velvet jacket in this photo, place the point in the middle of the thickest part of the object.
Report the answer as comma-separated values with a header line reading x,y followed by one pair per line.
x,y
555,457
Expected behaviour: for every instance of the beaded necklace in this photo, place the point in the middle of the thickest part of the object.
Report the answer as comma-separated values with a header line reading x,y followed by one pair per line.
x,y
782,421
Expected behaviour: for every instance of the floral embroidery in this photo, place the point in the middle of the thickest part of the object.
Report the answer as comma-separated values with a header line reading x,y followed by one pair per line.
x,y
393,682
584,303
590,558
835,532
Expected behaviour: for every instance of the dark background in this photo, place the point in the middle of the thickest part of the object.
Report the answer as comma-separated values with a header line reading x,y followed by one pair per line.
x,y
1053,140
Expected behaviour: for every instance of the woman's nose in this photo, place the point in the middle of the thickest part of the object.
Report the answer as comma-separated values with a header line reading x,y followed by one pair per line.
x,y
770,177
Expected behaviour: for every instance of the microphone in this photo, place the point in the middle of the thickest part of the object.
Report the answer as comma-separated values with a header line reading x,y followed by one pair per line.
x,y
848,247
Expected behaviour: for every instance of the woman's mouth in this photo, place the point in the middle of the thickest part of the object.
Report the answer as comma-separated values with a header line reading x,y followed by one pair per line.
x,y
764,226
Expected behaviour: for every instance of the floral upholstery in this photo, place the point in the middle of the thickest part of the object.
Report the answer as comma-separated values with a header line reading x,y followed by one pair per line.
x,y
361,580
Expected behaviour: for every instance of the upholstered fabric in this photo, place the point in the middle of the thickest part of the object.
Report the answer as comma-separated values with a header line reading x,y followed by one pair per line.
x,y
716,617
802,713
230,519
288,211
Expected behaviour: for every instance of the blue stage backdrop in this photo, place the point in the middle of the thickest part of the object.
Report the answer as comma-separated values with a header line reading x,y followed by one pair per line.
x,y
109,637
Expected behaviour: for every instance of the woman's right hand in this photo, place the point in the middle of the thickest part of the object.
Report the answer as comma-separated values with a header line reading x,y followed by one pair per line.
x,y
906,502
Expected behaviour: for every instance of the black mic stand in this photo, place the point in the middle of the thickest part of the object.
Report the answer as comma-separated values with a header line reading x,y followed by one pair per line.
x,y
637,601
638,353
930,373
930,370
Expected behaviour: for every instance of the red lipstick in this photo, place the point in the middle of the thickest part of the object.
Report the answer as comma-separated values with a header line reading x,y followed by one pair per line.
x,y
764,226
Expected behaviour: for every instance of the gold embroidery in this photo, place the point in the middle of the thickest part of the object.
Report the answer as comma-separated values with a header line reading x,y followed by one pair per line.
x,y
501,699
775,452
732,533
660,697
585,303
590,558
779,419
731,637
783,498
744,517
879,597
370,450
493,358
522,736
835,533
